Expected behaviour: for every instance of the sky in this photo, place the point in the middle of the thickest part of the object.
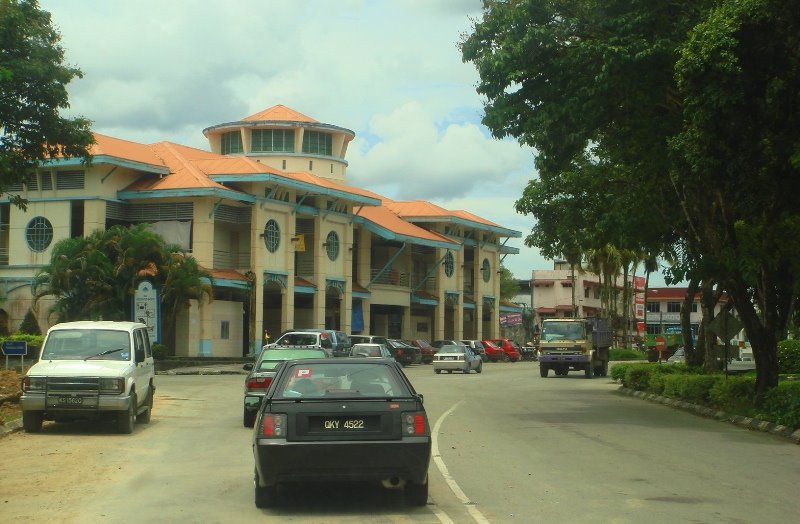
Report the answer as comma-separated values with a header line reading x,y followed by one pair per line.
x,y
389,70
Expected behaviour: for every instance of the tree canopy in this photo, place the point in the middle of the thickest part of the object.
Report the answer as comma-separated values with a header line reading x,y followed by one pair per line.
x,y
659,126
95,277
33,88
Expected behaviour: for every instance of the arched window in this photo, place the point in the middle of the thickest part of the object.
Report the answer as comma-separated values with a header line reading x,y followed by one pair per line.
x,y
449,265
486,269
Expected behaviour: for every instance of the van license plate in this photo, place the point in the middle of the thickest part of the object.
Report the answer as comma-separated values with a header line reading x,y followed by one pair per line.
x,y
68,400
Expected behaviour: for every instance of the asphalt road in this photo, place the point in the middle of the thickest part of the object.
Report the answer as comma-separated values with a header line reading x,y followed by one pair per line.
x,y
510,446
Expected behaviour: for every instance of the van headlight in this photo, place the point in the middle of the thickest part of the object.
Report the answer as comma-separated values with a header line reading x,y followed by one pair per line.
x,y
112,386
34,384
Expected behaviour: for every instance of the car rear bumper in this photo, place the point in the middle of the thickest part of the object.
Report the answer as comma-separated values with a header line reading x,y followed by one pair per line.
x,y
281,461
449,364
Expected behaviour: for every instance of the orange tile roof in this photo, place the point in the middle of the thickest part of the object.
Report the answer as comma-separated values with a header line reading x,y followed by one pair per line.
x,y
474,218
183,173
227,274
280,113
115,147
417,208
388,219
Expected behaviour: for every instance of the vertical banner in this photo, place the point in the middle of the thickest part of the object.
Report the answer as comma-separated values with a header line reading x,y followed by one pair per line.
x,y
638,298
146,309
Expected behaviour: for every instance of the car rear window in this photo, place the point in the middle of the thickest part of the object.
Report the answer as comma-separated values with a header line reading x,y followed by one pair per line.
x,y
341,380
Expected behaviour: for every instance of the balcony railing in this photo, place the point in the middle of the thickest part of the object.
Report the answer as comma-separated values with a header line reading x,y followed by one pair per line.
x,y
3,256
228,260
391,277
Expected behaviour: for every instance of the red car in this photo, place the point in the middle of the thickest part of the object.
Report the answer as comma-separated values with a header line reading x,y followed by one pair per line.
x,y
493,353
426,350
509,347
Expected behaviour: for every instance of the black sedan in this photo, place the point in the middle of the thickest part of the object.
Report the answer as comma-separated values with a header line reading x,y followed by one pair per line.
x,y
332,420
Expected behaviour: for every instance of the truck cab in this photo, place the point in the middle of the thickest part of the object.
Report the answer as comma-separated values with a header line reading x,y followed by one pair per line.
x,y
572,344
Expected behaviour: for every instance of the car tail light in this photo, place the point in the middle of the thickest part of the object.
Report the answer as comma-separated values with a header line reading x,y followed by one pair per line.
x,y
399,352
415,424
273,425
259,382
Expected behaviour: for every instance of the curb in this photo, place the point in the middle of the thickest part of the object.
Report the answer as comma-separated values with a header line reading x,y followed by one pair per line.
x,y
754,424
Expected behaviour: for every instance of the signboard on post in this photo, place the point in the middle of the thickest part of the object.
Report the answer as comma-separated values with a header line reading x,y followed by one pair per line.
x,y
146,308
15,348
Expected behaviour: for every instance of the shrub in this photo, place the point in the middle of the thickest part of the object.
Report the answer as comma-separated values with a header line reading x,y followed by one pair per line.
x,y
30,325
789,356
734,394
637,376
160,351
782,404
625,354
696,388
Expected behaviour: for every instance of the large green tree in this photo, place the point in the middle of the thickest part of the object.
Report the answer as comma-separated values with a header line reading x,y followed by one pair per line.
x,y
95,277
657,124
33,89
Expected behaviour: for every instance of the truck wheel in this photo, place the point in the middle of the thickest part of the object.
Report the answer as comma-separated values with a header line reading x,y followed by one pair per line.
x,y
588,371
127,419
543,371
437,371
32,421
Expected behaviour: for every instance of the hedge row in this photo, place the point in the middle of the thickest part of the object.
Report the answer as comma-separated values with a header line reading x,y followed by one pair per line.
x,y
734,395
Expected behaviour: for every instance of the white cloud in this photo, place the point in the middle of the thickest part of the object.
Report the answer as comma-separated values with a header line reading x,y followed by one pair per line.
x,y
389,70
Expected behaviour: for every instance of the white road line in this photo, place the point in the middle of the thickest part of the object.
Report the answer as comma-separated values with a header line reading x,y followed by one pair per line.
x,y
456,489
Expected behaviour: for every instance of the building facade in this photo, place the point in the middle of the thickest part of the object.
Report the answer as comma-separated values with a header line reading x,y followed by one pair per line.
x,y
289,244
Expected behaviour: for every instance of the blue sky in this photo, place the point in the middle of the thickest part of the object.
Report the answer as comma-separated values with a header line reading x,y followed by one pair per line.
x,y
389,70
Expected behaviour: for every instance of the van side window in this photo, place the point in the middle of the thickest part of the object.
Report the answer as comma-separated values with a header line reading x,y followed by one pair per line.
x,y
148,349
138,344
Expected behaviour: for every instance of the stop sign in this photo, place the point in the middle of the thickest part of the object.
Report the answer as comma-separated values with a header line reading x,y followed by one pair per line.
x,y
661,343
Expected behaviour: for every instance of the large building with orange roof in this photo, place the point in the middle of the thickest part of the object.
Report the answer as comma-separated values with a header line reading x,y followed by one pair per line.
x,y
288,242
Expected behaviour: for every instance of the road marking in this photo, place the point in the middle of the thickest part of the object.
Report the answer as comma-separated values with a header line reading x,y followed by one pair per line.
x,y
454,487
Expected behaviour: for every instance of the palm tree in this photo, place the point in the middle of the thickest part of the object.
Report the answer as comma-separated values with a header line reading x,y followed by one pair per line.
x,y
182,280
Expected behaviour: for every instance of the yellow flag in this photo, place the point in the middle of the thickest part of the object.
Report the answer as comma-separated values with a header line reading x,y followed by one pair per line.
x,y
300,245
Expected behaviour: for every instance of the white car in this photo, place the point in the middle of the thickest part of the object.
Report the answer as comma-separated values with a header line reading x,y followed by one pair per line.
x,y
90,370
371,350
456,357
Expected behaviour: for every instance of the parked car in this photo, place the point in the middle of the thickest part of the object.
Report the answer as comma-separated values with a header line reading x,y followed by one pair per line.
x,y
369,339
456,357
299,339
371,351
425,349
91,370
477,347
328,420
509,347
403,352
439,343
493,352
339,340
262,372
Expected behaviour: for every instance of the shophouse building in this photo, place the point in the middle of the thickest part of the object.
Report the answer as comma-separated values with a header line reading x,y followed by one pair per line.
x,y
289,244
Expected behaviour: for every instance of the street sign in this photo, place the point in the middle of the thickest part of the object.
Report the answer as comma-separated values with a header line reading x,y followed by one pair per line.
x,y
725,325
15,348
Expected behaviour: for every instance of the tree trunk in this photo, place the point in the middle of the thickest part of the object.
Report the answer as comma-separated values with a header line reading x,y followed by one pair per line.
x,y
686,325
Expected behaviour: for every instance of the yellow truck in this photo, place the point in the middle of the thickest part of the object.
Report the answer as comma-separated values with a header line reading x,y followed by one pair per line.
x,y
574,344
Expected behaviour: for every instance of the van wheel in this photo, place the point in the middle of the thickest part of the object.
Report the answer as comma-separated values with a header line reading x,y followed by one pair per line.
x,y
543,371
127,419
144,417
32,421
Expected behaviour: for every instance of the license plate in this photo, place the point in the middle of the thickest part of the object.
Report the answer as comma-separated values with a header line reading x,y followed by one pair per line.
x,y
351,424
68,400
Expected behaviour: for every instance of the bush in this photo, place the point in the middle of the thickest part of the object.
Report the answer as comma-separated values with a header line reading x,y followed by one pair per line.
x,y
160,351
30,325
782,404
789,356
625,354
735,393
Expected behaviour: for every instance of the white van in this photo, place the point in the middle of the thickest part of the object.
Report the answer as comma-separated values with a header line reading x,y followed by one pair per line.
x,y
89,370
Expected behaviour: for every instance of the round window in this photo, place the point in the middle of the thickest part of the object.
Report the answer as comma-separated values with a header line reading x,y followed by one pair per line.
x,y
449,266
332,245
486,269
272,235
39,233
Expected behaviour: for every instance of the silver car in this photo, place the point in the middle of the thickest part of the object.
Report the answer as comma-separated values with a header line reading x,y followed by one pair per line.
x,y
371,350
456,357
